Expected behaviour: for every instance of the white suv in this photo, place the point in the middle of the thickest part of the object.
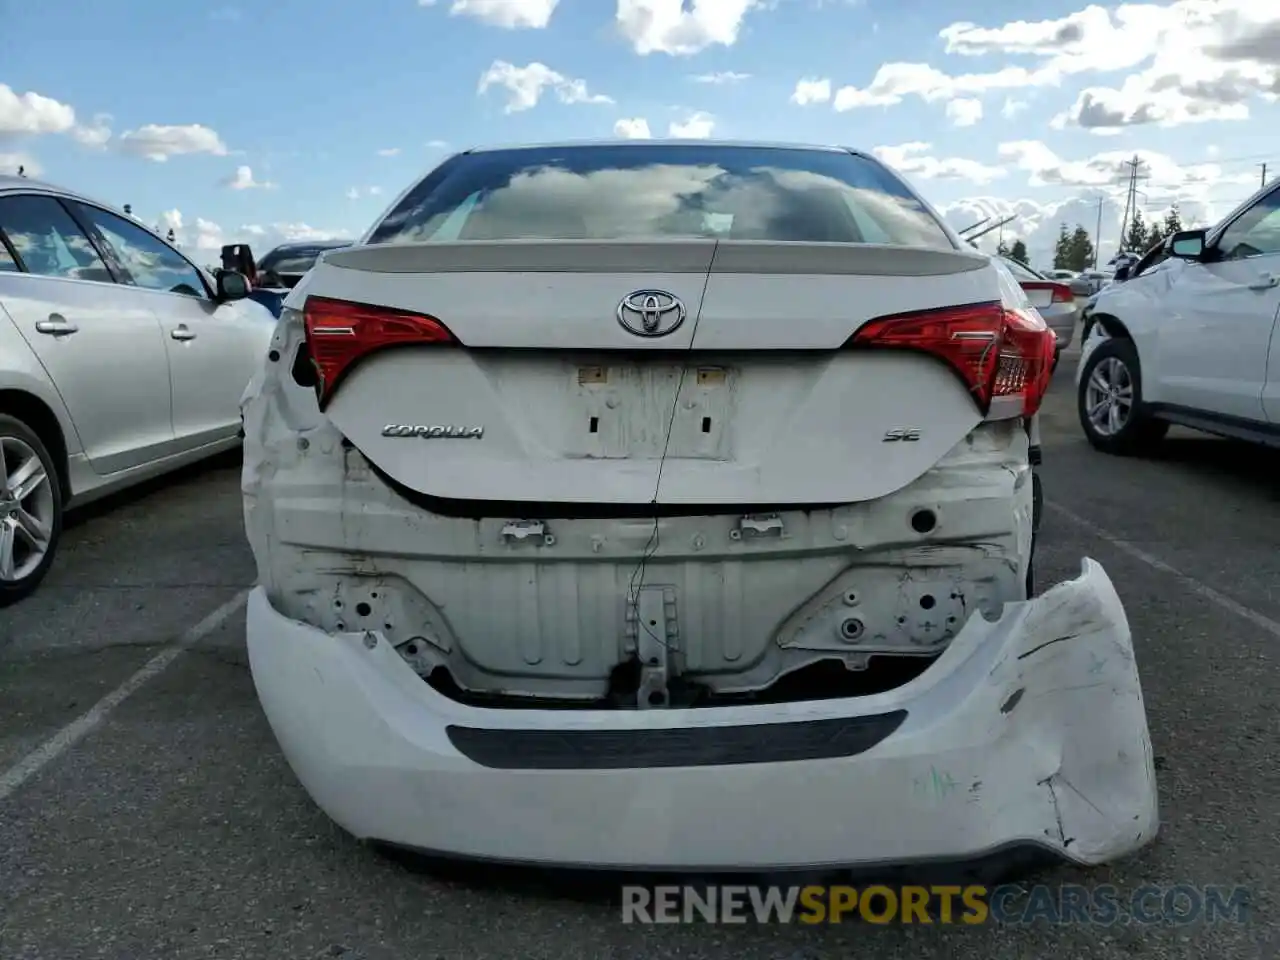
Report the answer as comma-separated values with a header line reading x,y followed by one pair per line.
x,y
1190,338
609,499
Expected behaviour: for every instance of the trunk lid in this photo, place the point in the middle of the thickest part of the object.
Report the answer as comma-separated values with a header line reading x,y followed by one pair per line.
x,y
575,408
1039,296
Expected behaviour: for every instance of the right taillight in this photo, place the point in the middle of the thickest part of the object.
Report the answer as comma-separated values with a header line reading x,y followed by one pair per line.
x,y
340,333
997,351
1062,294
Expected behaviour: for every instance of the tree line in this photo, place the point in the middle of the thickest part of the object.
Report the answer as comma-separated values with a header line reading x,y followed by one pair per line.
x,y
1075,250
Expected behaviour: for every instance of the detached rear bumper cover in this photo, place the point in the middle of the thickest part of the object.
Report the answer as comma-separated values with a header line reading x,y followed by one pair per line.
x,y
1028,730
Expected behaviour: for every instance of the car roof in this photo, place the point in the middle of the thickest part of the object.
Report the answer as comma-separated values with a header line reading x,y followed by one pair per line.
x,y
12,182
309,245
665,142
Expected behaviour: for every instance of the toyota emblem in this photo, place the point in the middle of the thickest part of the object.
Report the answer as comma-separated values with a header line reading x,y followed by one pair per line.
x,y
651,313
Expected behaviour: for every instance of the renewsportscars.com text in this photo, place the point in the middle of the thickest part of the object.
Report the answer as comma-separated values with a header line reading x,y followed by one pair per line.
x,y
970,905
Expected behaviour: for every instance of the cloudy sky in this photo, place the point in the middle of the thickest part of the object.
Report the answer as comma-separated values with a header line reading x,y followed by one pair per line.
x,y
255,122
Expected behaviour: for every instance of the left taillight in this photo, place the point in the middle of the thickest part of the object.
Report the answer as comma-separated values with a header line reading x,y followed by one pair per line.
x,y
1001,354
341,333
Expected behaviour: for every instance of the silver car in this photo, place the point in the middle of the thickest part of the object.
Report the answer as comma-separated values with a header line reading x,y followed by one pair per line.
x,y
1054,300
119,360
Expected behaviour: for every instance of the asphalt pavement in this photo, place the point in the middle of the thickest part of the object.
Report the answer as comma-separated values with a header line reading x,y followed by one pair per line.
x,y
169,826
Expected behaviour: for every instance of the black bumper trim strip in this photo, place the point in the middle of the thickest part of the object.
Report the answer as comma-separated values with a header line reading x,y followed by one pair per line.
x,y
674,747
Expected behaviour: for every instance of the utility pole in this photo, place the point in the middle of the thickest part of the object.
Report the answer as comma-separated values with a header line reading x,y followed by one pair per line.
x,y
1131,197
1264,174
1097,244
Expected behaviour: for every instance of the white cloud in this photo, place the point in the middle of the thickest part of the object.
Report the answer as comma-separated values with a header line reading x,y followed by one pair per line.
x,y
1105,110
207,237
964,112
1110,170
355,193
632,128
913,159
811,90
389,152
893,82
10,162
1013,107
31,113
94,134
525,85
510,14
242,179
159,143
437,144
666,26
1204,59
171,220
1196,60
1037,224
696,126
723,77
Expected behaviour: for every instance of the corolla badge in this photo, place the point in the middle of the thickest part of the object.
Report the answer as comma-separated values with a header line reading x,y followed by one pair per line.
x,y
651,313
438,432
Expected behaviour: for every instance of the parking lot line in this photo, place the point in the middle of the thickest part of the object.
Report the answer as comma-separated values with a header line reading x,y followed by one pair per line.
x,y
1191,583
83,725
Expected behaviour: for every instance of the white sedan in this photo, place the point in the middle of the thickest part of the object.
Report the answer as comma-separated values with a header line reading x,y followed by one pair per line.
x,y
119,360
609,499
1191,338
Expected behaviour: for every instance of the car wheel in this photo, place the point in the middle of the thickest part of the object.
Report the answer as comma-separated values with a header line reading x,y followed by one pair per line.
x,y
30,510
1109,399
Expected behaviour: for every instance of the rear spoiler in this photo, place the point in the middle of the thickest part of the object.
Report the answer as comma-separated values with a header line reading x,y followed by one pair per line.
x,y
655,256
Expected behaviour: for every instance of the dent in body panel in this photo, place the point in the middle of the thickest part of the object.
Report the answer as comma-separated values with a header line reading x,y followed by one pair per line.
x,y
1070,683
546,615
1003,743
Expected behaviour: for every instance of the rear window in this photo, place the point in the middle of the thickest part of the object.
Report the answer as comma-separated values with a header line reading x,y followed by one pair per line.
x,y
293,260
1024,274
645,191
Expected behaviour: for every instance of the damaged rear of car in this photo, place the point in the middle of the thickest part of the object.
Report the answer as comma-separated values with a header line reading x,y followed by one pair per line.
x,y
609,499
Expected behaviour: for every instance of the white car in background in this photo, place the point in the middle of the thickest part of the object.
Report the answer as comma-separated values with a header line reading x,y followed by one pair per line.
x,y
1092,281
119,360
1190,338
1080,286
609,499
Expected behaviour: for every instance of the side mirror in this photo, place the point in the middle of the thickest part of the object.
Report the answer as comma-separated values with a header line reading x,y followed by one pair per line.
x,y
1188,244
1122,273
232,285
